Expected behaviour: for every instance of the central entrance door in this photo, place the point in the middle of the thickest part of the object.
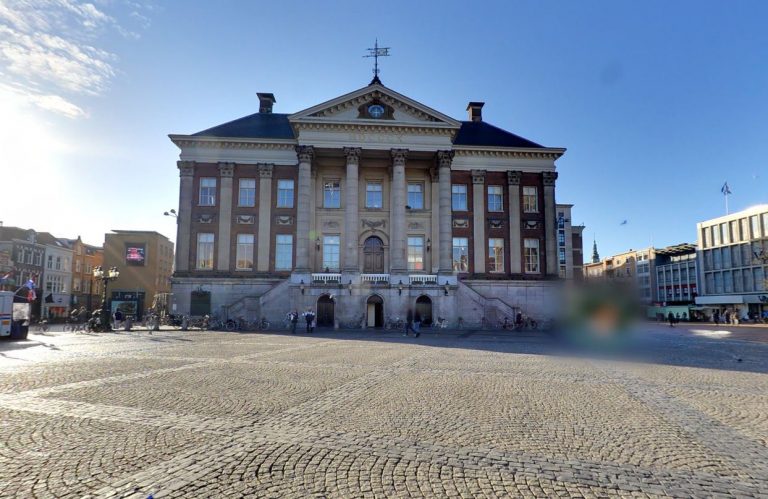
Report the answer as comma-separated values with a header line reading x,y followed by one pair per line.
x,y
424,310
373,256
325,308
375,311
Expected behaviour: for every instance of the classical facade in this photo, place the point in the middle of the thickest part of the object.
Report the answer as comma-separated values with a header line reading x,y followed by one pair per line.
x,y
363,207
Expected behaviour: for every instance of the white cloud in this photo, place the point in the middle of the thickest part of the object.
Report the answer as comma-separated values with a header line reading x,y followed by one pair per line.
x,y
50,54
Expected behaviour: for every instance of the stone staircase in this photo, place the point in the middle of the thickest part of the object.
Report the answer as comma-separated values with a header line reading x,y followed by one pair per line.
x,y
270,304
492,309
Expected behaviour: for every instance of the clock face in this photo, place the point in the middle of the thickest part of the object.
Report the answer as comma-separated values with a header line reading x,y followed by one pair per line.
x,y
376,110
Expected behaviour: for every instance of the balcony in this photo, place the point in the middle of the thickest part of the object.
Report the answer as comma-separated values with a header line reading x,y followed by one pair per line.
x,y
375,278
326,278
422,279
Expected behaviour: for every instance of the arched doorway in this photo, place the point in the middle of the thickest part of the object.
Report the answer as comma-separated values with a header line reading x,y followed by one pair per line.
x,y
325,306
424,310
374,308
373,256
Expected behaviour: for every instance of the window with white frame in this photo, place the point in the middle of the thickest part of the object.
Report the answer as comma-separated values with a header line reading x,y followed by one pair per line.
x,y
49,264
244,252
285,193
207,191
247,195
283,252
332,194
531,253
78,266
530,199
416,253
331,248
205,251
561,255
460,254
495,255
495,198
459,197
373,195
76,284
416,196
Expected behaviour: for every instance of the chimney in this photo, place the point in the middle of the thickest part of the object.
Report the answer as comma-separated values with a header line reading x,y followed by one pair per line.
x,y
475,111
265,102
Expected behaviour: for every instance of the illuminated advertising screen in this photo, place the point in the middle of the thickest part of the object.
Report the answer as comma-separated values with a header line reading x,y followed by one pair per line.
x,y
134,254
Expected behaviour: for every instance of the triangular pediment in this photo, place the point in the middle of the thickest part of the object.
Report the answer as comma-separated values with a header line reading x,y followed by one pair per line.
x,y
394,109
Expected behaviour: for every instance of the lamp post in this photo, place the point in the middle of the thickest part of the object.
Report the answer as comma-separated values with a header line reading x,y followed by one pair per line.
x,y
105,275
172,213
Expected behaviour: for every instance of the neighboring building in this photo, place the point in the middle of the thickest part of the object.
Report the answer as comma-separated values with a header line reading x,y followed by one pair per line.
x,y
570,251
676,281
732,261
145,262
56,283
86,292
363,207
634,267
23,256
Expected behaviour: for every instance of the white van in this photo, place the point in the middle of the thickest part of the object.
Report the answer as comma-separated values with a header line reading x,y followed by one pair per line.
x,y
13,314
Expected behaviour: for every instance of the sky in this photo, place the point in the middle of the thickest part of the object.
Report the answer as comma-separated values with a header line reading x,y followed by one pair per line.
x,y
658,103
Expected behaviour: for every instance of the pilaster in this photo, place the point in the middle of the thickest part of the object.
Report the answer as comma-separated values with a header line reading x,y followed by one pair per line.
x,y
184,220
550,222
265,216
351,210
224,243
444,161
515,222
478,219
305,155
398,235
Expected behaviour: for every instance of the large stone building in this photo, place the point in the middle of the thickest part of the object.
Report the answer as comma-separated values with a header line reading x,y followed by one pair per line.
x,y
363,207
733,262
86,291
145,262
634,268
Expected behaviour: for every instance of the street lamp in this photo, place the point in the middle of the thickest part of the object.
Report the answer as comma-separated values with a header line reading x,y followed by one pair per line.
x,y
171,213
105,275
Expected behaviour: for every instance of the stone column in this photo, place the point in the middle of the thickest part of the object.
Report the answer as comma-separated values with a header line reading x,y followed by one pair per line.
x,y
263,242
351,210
444,160
478,219
184,220
435,223
550,222
303,214
515,222
224,243
397,213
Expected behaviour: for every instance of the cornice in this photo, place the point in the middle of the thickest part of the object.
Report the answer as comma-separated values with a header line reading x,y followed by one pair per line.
x,y
377,127
495,152
182,141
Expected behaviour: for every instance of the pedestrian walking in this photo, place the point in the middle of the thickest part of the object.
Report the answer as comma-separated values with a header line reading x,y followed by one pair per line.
x,y
294,320
409,324
309,317
671,319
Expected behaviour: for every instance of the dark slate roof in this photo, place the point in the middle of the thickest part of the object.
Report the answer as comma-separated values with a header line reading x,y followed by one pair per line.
x,y
480,133
255,126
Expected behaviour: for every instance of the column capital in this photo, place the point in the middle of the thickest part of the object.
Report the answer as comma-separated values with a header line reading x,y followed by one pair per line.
x,y
444,158
265,169
226,169
399,156
478,176
353,154
513,177
186,168
305,153
549,178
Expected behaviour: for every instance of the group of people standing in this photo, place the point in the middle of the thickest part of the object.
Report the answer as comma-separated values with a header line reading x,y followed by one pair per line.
x,y
309,318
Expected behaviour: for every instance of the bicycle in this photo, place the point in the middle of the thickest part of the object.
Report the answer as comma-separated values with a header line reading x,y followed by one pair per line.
x,y
394,324
442,323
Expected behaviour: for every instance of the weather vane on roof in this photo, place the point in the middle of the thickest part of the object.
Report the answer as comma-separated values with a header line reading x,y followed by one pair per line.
x,y
377,52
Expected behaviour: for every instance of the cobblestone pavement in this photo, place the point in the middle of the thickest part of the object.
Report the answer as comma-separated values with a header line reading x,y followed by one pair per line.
x,y
367,414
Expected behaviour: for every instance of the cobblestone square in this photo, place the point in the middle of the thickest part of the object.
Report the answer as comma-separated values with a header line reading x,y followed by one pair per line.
x,y
373,414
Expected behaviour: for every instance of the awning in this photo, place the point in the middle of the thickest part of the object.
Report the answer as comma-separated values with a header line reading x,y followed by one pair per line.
x,y
719,300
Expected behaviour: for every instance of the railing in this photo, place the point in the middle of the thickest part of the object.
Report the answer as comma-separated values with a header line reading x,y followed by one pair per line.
x,y
423,279
375,278
326,278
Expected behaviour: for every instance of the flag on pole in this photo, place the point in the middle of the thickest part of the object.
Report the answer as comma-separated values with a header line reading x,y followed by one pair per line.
x,y
725,189
30,284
